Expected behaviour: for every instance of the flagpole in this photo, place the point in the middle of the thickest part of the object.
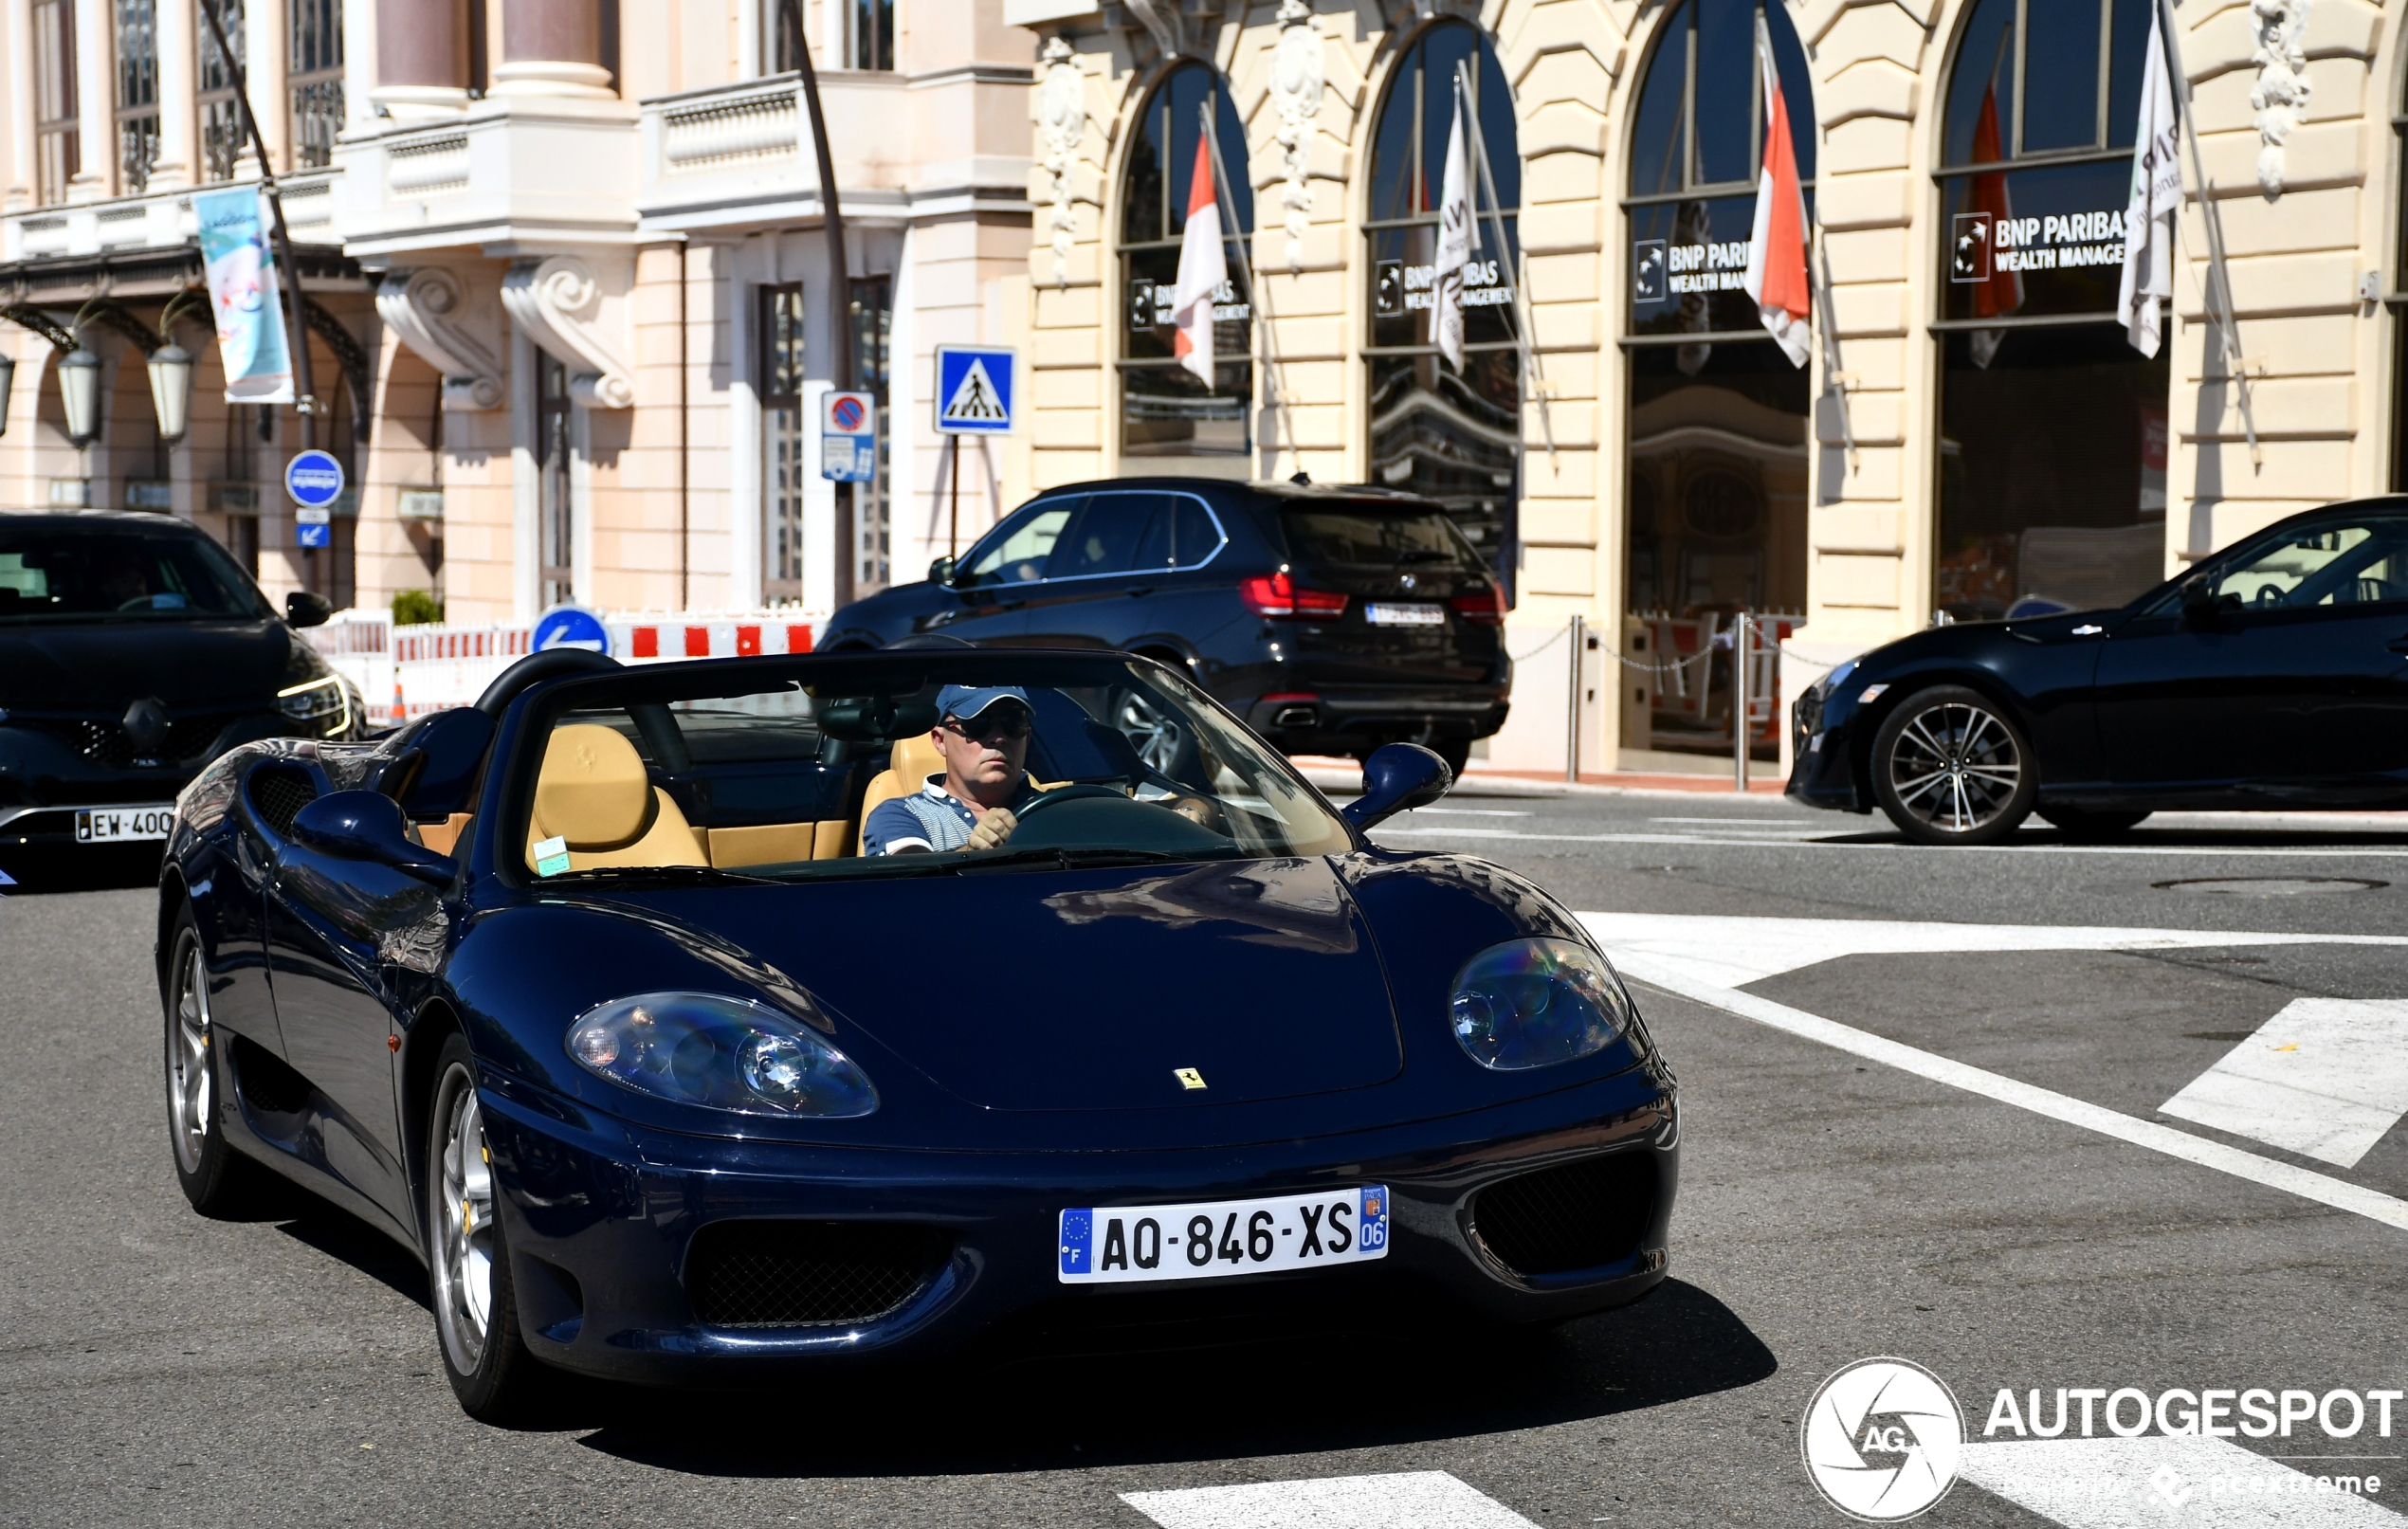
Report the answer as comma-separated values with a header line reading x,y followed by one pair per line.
x,y
1274,374
1533,379
2219,275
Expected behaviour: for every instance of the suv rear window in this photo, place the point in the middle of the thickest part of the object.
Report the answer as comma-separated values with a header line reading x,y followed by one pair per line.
x,y
1377,536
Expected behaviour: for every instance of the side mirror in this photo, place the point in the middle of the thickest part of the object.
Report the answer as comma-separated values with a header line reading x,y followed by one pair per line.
x,y
303,608
1398,778
940,571
2199,604
367,825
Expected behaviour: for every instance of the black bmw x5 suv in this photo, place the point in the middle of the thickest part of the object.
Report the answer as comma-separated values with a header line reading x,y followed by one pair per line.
x,y
1332,619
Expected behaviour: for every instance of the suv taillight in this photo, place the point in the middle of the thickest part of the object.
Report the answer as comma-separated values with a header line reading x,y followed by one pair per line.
x,y
1276,594
1487,607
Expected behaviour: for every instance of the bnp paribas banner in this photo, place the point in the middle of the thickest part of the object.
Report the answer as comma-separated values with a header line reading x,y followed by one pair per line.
x,y
242,291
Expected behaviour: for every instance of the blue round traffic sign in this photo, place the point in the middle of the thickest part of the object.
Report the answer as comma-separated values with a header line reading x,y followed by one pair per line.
x,y
314,479
568,626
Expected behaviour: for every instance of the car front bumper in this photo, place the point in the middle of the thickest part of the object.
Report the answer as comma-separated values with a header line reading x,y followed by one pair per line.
x,y
600,1217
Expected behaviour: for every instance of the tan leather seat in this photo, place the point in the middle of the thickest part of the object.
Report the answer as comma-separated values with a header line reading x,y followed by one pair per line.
x,y
915,759
593,792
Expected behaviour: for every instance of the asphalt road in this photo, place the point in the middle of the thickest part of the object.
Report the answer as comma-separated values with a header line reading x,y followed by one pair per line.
x,y
1849,1191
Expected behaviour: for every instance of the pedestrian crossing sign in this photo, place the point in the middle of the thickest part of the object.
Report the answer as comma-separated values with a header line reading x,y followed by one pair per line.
x,y
974,389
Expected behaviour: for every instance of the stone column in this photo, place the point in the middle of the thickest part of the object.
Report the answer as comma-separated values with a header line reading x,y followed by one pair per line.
x,y
20,187
420,61
263,70
179,92
96,128
552,48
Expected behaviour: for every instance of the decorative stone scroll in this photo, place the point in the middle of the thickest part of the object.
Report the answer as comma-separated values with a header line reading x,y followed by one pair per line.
x,y
576,308
430,310
2280,95
1062,119
1297,79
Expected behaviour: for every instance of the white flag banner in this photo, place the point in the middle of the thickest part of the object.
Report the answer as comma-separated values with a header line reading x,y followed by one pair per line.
x,y
1455,239
2156,200
1203,270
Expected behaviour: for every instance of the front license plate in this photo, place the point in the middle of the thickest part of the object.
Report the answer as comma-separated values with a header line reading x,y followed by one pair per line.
x,y
110,825
1114,1243
1389,613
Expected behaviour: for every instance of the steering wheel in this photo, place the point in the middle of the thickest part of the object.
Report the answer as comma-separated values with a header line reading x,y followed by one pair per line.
x,y
140,602
1067,794
2267,597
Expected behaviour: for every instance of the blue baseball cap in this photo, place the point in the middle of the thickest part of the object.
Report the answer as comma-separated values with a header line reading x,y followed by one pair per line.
x,y
967,702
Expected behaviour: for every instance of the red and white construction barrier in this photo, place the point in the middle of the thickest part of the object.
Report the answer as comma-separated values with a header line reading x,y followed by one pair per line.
x,y
405,672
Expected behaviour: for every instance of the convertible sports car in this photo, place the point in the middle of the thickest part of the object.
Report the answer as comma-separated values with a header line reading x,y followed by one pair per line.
x,y
2273,677
588,996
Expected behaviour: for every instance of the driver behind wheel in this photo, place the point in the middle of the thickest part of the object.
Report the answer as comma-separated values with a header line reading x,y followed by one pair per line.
x,y
982,734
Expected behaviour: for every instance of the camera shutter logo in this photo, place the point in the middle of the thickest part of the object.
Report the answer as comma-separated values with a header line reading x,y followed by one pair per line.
x,y
1882,1440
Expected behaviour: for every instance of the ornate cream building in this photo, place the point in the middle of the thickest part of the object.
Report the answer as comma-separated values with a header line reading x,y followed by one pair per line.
x,y
568,277
1973,428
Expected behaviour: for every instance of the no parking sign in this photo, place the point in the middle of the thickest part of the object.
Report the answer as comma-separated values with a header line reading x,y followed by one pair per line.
x,y
849,438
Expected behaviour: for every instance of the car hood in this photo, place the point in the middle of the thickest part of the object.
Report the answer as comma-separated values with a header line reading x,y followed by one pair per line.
x,y
1093,991
102,666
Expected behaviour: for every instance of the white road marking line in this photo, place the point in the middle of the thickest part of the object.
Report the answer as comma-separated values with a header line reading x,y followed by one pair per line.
x,y
1734,951
2149,1481
2304,1182
1408,1500
2325,1078
1470,811
2238,852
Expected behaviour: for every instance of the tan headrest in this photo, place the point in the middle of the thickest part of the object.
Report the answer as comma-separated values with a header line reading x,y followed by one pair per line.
x,y
915,759
592,791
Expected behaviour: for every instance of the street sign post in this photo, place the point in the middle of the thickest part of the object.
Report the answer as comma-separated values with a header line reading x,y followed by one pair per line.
x,y
314,479
975,390
569,625
849,438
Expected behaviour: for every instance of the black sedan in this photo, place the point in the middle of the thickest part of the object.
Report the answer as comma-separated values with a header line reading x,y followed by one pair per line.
x,y
2274,675
132,652
1334,620
589,997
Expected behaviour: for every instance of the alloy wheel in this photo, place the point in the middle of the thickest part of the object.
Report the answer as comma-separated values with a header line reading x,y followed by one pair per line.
x,y
1955,768
1152,731
465,1210
189,1097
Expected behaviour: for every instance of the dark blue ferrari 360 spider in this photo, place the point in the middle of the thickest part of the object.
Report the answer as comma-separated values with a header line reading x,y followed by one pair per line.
x,y
700,1020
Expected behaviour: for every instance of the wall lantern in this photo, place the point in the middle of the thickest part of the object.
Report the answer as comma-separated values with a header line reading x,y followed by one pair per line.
x,y
171,390
80,390
7,380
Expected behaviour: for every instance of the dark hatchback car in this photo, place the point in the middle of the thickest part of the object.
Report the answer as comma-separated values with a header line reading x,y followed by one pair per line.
x,y
1333,620
133,651
2275,676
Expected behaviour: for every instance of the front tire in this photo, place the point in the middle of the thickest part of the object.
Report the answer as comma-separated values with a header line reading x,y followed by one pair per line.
x,y
218,1181
485,1355
1950,767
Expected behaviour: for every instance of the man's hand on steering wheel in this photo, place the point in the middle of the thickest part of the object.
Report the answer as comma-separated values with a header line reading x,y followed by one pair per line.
x,y
994,828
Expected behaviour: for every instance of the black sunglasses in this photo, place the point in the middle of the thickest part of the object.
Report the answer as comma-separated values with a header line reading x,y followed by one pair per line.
x,y
1001,721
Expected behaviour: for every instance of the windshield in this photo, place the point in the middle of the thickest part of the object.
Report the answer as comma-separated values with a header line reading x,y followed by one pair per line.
x,y
1378,536
118,572
899,765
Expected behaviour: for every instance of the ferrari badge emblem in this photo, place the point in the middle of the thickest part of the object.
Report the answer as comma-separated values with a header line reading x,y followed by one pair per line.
x,y
1188,1077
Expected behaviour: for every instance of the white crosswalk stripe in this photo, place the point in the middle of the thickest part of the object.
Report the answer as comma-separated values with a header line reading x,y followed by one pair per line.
x,y
1408,1500
2325,1078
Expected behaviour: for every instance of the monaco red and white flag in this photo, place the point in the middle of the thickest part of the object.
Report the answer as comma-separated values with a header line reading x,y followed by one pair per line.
x,y
1776,248
1203,269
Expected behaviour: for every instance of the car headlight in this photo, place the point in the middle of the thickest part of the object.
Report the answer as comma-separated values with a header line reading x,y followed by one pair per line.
x,y
718,1052
1532,1003
322,704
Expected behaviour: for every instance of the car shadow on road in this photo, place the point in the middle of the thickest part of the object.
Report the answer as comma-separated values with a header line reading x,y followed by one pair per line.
x,y
1306,1391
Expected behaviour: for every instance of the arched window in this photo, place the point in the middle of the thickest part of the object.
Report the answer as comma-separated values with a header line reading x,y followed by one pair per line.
x,y
2053,429
1166,410
1455,437
1718,431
